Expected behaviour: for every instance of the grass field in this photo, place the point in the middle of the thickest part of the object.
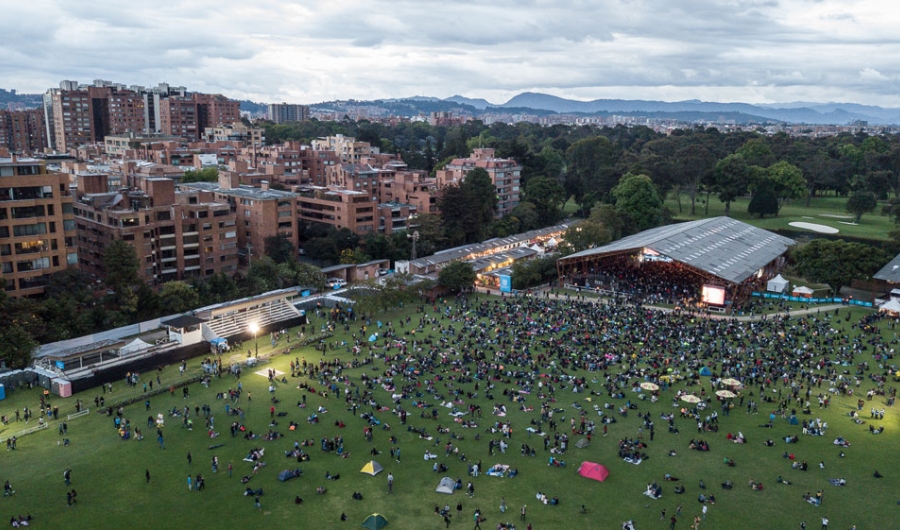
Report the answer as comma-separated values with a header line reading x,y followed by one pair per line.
x,y
828,211
109,474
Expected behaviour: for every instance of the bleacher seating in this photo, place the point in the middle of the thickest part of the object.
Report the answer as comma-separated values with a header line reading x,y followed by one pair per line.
x,y
239,322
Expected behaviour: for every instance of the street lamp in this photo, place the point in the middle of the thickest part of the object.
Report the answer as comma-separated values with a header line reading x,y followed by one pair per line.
x,y
255,329
415,239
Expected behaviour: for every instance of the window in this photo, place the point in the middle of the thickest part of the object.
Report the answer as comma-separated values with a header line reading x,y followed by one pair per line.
x,y
26,230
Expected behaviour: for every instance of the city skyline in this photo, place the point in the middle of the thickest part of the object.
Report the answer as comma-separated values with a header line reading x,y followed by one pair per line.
x,y
712,50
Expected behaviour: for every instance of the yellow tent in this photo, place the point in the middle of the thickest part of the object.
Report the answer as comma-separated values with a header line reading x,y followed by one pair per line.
x,y
372,468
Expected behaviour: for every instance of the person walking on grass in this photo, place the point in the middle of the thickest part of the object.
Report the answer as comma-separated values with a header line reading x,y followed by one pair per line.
x,y
147,474
390,479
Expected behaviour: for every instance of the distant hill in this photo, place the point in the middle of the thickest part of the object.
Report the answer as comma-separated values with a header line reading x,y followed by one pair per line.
x,y
30,101
812,113
480,104
254,107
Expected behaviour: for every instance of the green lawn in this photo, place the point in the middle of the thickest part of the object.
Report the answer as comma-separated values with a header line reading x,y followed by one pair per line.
x,y
828,211
109,474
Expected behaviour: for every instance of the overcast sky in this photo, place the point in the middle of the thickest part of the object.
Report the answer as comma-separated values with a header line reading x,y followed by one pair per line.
x,y
757,51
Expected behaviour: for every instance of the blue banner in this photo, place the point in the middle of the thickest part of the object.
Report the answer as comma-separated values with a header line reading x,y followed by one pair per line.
x,y
804,300
505,284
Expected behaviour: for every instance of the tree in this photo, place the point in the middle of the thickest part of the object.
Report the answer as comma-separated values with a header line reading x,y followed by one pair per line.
x,y
467,209
122,275
787,181
178,297
547,196
590,172
694,163
280,248
756,152
764,202
836,263
861,202
456,276
348,256
731,178
16,346
586,234
636,197
209,174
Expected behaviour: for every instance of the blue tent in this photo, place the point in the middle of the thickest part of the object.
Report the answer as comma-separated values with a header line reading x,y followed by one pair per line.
x,y
705,371
373,337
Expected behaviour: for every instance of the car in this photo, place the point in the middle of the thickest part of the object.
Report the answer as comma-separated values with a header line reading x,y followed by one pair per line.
x,y
384,272
335,283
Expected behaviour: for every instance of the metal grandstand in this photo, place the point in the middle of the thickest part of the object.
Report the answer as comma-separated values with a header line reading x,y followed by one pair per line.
x,y
721,249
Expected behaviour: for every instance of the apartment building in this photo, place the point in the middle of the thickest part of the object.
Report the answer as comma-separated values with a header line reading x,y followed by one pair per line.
x,y
23,131
505,173
347,149
259,212
37,226
189,116
286,112
177,234
236,132
354,210
415,188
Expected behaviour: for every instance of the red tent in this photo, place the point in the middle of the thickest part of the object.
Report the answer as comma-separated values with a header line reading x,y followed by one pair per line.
x,y
593,470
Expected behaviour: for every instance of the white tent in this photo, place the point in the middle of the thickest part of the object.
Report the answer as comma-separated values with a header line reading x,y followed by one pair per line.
x,y
892,306
802,291
552,242
133,347
777,284
446,486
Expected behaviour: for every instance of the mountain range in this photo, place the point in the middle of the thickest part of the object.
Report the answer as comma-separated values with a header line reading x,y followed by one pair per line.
x,y
794,112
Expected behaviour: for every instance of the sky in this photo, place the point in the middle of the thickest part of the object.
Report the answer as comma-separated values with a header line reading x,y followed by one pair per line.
x,y
754,51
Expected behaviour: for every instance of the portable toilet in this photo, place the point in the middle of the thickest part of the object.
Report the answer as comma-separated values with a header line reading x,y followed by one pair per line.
x,y
2,392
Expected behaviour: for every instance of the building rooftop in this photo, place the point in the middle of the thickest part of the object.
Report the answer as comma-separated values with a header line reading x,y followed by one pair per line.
x,y
721,246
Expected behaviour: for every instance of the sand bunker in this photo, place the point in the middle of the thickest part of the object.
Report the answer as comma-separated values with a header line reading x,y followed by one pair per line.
x,y
835,216
822,229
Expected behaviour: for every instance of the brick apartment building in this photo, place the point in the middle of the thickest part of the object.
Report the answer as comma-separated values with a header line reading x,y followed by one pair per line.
x,y
347,148
176,234
505,173
189,116
259,212
237,133
76,114
37,226
23,131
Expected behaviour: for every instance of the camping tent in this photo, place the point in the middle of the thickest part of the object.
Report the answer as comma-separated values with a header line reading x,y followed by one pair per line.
x,y
287,475
892,306
446,486
133,347
593,470
372,468
582,443
803,291
705,371
376,521
777,284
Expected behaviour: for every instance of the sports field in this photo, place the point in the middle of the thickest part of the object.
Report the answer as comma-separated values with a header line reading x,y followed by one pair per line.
x,y
522,355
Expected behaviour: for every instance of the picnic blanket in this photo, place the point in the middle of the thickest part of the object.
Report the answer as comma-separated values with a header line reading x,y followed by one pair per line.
x,y
837,482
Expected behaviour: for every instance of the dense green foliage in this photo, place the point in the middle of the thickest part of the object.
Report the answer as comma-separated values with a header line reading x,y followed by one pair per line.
x,y
836,263
456,276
